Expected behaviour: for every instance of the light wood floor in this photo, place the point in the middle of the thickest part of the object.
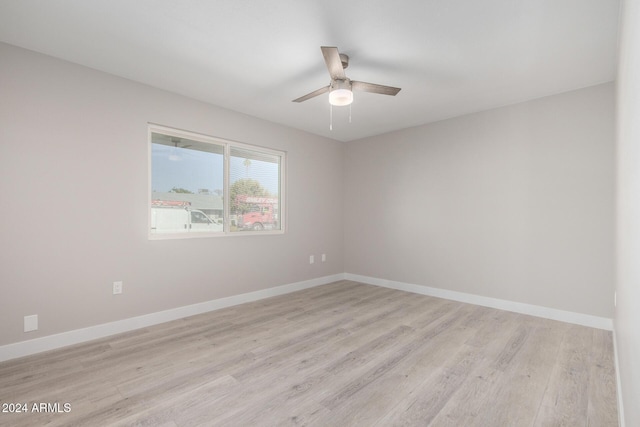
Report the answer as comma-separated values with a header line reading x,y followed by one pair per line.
x,y
336,355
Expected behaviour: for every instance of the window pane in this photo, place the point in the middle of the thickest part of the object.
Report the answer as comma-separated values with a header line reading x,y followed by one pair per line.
x,y
186,185
254,192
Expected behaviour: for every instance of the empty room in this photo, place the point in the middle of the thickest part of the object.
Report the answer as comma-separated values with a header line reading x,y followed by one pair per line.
x,y
363,213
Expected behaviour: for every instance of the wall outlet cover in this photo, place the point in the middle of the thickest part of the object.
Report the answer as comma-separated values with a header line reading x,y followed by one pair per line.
x,y
31,323
117,288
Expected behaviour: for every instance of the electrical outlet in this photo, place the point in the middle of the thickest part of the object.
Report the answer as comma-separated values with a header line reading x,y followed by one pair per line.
x,y
311,259
324,257
31,323
615,299
117,288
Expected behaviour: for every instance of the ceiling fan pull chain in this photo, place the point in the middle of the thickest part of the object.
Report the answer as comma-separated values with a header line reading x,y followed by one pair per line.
x,y
330,117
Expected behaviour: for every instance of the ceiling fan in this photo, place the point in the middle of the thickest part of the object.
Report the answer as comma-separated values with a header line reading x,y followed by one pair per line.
x,y
341,88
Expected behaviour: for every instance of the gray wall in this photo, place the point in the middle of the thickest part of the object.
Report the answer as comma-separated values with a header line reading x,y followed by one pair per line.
x,y
627,314
74,190
515,203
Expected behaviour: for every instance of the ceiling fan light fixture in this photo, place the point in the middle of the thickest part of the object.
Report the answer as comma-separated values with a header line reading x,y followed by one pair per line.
x,y
341,97
341,94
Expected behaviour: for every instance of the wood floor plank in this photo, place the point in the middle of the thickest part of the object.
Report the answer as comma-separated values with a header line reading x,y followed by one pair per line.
x,y
190,404
401,382
432,395
513,391
342,354
602,386
566,398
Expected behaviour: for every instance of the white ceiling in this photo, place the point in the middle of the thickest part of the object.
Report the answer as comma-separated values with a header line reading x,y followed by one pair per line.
x,y
450,57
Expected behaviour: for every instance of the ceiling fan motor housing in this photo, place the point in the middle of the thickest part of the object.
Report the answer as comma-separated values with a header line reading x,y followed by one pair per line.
x,y
344,59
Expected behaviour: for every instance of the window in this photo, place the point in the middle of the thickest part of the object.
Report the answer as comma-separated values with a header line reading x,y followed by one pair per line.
x,y
254,189
204,186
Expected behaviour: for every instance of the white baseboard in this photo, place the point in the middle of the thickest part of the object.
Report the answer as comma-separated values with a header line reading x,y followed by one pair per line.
x,y
517,307
51,342
618,383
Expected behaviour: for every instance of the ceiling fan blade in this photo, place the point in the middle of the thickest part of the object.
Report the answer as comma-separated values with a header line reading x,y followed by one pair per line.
x,y
333,61
374,88
312,94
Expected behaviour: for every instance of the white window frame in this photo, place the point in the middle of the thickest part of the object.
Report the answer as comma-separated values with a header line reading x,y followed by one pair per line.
x,y
227,145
